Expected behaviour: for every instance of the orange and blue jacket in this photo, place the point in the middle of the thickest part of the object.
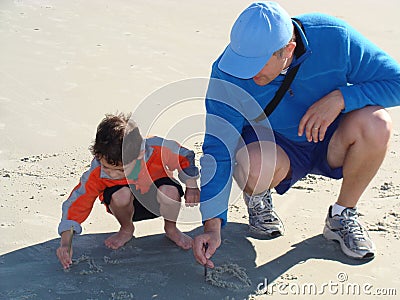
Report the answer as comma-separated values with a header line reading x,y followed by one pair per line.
x,y
161,158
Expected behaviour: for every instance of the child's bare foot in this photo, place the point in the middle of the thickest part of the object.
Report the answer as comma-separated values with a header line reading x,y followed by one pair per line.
x,y
179,238
119,239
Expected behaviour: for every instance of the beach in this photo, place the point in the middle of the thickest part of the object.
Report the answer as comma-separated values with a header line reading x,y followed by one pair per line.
x,y
65,64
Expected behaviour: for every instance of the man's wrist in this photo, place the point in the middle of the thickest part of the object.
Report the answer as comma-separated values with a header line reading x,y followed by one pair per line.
x,y
339,96
213,224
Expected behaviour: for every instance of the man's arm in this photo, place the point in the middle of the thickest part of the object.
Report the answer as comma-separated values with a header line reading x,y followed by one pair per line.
x,y
373,76
224,123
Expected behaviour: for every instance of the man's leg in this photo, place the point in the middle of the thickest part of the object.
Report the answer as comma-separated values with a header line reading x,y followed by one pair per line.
x,y
121,206
169,199
359,145
260,167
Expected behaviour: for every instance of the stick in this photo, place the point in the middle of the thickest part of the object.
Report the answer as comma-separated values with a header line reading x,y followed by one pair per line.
x,y
205,266
70,240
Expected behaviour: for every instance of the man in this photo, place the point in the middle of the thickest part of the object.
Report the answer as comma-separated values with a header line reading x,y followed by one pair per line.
x,y
330,122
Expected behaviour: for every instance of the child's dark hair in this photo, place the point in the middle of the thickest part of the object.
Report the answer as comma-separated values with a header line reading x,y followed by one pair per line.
x,y
118,139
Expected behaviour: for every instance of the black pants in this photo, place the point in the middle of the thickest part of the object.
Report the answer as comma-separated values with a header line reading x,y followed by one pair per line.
x,y
145,205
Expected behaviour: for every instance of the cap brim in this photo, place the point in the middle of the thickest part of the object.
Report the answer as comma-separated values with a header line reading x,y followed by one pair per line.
x,y
241,66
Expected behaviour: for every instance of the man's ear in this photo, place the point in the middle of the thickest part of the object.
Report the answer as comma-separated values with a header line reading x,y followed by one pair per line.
x,y
141,155
289,49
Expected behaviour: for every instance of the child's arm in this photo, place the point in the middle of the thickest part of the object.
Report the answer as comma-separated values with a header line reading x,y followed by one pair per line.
x,y
79,204
176,157
183,160
64,252
192,193
76,209
188,173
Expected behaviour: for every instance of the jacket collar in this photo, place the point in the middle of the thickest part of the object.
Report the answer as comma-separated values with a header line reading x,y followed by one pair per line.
x,y
303,50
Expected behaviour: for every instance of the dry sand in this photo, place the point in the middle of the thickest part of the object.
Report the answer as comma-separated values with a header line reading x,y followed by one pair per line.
x,y
64,64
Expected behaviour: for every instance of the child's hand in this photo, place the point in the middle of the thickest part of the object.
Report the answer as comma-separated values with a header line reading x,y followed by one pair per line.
x,y
192,196
64,252
65,256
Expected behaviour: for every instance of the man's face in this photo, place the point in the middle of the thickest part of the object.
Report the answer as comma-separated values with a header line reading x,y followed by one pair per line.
x,y
271,70
276,64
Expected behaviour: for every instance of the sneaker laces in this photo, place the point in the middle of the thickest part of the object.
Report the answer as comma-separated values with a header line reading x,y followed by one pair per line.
x,y
261,208
352,226
260,202
262,216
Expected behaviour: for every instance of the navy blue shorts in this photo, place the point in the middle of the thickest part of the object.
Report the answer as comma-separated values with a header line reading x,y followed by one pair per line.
x,y
305,157
145,205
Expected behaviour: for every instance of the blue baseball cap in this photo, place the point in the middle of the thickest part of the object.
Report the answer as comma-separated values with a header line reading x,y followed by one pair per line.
x,y
259,31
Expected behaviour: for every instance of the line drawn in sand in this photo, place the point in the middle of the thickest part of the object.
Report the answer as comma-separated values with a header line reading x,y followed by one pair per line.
x,y
228,275
93,267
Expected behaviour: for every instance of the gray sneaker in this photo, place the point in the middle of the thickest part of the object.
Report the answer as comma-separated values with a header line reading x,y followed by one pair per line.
x,y
352,236
263,219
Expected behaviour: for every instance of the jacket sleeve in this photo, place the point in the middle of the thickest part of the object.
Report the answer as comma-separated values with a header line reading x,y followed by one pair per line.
x,y
373,76
79,204
224,123
177,157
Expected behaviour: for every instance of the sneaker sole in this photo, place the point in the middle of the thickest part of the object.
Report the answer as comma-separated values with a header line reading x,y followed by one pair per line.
x,y
271,234
330,235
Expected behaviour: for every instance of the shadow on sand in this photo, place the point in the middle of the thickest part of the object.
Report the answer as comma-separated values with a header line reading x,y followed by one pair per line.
x,y
149,267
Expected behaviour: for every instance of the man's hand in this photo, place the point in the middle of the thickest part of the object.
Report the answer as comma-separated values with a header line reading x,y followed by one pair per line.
x,y
320,115
64,252
212,237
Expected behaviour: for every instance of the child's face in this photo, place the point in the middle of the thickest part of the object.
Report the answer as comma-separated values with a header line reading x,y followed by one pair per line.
x,y
114,171
119,171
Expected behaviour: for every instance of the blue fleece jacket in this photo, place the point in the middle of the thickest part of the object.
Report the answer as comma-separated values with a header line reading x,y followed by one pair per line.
x,y
336,57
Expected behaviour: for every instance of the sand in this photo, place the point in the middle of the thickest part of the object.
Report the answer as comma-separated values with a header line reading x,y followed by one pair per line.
x,y
64,64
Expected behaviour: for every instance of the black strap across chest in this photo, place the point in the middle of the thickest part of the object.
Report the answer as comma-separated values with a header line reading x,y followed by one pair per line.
x,y
291,74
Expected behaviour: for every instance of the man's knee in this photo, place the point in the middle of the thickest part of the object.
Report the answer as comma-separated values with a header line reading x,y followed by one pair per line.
x,y
371,124
263,165
121,198
383,125
376,126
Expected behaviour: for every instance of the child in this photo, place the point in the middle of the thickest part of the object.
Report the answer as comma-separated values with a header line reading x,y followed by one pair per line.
x,y
133,178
